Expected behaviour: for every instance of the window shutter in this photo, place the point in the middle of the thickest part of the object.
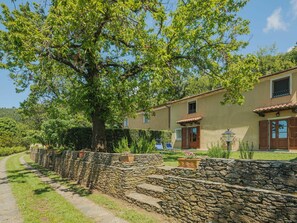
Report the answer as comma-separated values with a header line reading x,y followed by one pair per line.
x,y
184,138
292,133
263,134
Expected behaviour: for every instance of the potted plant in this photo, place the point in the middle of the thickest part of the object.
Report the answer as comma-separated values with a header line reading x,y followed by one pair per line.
x,y
81,154
189,161
127,157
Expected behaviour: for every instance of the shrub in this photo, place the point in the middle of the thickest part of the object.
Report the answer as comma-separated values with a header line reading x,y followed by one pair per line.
x,y
123,146
217,151
246,151
143,145
11,150
81,137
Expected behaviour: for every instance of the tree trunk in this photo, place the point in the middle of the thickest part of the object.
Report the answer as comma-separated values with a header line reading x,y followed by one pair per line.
x,y
98,133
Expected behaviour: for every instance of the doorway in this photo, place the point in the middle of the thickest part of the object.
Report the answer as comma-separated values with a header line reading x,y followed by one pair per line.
x,y
279,134
191,137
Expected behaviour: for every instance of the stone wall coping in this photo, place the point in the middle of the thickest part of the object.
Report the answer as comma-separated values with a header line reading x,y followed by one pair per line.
x,y
251,160
244,188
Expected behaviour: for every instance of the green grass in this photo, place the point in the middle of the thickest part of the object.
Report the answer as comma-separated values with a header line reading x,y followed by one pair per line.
x,y
36,200
116,206
170,158
2,157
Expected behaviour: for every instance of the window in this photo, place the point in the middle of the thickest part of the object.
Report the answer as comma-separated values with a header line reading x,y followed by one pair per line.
x,y
145,119
125,122
281,87
192,107
279,129
178,134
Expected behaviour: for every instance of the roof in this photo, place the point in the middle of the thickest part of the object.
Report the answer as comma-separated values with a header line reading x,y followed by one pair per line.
x,y
278,107
188,120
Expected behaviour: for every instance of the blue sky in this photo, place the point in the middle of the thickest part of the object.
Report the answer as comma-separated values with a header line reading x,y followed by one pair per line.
x,y
271,22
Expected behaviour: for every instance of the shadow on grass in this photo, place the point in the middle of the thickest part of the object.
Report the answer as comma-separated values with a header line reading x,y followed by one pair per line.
x,y
17,176
73,187
43,190
293,160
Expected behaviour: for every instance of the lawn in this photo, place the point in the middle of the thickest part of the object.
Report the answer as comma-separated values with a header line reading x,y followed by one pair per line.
x,y
170,158
2,157
119,208
36,200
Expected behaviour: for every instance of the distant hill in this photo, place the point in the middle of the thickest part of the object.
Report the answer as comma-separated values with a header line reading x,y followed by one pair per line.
x,y
11,113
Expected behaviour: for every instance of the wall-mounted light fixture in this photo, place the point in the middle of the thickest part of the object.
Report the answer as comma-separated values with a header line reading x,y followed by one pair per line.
x,y
277,114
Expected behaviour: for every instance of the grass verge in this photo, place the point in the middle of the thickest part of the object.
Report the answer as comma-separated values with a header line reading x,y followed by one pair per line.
x,y
116,206
36,200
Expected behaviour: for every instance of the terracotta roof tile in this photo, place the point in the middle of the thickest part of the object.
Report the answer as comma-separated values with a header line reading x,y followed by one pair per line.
x,y
195,119
278,107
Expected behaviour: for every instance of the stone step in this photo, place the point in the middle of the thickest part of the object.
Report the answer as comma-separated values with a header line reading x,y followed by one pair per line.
x,y
155,180
165,170
150,190
146,202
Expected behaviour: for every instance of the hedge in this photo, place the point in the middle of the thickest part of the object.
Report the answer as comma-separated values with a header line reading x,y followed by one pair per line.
x,y
81,137
5,151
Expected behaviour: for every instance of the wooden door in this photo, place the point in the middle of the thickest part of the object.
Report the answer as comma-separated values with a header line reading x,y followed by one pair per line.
x,y
184,138
279,134
263,134
292,133
194,137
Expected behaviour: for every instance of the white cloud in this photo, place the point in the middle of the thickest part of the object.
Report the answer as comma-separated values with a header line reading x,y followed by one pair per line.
x,y
275,22
294,7
290,49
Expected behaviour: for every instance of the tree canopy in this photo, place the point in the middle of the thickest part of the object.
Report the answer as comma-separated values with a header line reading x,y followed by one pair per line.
x,y
110,58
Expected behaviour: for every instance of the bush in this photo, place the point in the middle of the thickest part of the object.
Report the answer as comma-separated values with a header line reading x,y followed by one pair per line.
x,y
143,145
218,151
123,146
11,150
246,151
81,137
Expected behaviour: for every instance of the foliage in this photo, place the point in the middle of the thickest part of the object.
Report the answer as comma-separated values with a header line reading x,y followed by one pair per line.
x,y
190,155
246,150
271,62
124,56
123,146
10,113
5,151
9,133
80,137
217,151
143,145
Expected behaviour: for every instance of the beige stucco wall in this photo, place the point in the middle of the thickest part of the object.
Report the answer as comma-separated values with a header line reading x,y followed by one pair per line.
x,y
240,119
159,120
217,118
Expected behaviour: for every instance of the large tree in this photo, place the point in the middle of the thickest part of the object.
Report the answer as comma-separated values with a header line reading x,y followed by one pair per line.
x,y
110,58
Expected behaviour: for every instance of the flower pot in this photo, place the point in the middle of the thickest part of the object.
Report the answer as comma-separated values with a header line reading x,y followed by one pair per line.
x,y
189,162
128,158
81,154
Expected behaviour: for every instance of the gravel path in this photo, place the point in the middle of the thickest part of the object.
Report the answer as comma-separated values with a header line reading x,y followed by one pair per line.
x,y
87,207
9,211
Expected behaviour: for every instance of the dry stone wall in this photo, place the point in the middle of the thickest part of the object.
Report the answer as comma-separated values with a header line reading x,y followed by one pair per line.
x,y
219,190
271,175
102,171
192,200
